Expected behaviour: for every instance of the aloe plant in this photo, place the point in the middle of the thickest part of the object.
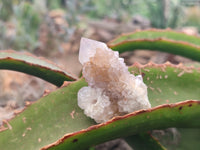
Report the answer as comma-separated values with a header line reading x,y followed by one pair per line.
x,y
56,122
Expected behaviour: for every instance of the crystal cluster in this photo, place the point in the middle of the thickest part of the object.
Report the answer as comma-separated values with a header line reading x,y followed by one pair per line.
x,y
111,90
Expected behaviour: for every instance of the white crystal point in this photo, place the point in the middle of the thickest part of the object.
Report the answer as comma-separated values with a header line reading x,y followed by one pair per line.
x,y
88,49
112,90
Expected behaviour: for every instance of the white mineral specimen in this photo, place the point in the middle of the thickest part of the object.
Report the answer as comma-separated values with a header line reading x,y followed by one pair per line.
x,y
111,90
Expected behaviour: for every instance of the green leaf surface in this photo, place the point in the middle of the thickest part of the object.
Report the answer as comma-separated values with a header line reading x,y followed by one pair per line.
x,y
142,141
39,67
166,84
157,33
46,120
169,83
161,40
57,114
164,116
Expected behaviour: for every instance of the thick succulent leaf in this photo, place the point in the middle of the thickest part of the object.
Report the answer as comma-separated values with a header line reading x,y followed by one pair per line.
x,y
157,33
169,83
164,116
56,114
39,67
46,120
161,40
143,141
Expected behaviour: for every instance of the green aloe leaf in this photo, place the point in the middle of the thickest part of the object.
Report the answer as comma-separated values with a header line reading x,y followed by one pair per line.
x,y
157,33
142,141
161,40
46,120
169,83
39,67
57,114
164,116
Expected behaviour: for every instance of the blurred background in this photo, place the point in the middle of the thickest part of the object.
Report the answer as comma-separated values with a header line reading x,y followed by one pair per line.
x,y
53,28
35,25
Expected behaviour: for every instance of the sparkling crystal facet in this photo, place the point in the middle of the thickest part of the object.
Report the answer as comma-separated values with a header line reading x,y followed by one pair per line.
x,y
111,90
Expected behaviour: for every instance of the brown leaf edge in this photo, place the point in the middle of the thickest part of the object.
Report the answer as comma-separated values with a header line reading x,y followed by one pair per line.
x,y
188,103
151,29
